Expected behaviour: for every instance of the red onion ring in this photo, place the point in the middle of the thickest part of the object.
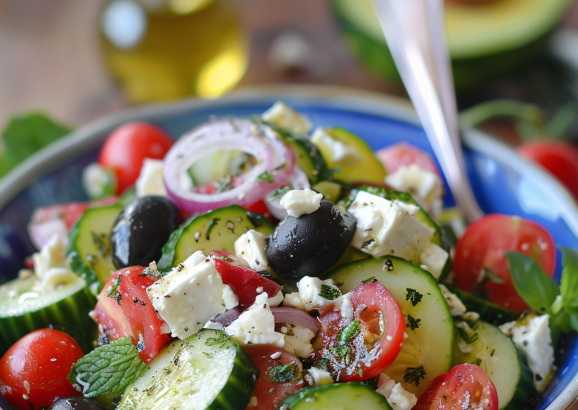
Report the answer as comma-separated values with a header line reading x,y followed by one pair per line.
x,y
299,180
258,140
228,317
287,314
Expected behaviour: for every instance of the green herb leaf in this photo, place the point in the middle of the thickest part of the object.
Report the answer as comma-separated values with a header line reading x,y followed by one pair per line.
x,y
569,280
368,280
414,374
211,226
113,290
413,296
256,219
349,332
493,277
284,373
469,339
218,341
412,322
329,292
278,193
532,284
266,176
108,368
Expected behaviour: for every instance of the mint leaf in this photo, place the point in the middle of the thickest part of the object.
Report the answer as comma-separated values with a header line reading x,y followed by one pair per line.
x,y
569,281
532,284
108,368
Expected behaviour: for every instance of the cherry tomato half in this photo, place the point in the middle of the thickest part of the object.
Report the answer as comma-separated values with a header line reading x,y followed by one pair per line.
x,y
243,280
360,348
464,386
126,148
267,393
128,311
483,246
403,154
34,371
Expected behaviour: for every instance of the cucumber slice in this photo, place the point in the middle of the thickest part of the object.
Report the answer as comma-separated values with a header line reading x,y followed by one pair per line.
x,y
495,352
343,396
214,231
488,312
89,249
329,189
392,195
204,371
25,308
431,343
360,164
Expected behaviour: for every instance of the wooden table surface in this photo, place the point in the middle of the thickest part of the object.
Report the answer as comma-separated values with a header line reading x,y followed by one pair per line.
x,y
50,57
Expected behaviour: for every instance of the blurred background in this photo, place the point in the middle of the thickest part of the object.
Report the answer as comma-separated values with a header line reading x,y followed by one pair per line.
x,y
76,61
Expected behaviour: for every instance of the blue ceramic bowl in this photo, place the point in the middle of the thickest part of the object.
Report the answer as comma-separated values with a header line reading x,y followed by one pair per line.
x,y
502,181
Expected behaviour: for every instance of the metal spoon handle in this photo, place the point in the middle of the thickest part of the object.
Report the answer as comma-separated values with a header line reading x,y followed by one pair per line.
x,y
415,34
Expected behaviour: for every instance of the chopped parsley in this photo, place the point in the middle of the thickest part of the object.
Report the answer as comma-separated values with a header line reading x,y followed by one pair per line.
x,y
465,336
279,192
211,226
349,332
218,341
329,292
151,272
413,296
113,290
368,280
414,374
266,176
284,373
412,322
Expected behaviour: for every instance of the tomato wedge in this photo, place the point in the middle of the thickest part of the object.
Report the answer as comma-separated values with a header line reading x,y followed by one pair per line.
x,y
363,347
480,261
124,309
270,390
243,280
465,386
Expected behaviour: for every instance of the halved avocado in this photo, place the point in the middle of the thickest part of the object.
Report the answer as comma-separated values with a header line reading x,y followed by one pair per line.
x,y
485,40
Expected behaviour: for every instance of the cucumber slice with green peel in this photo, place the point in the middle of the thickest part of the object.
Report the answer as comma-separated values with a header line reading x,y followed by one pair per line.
x,y
430,328
204,371
89,250
343,396
392,195
495,352
214,231
359,162
488,312
25,307
329,189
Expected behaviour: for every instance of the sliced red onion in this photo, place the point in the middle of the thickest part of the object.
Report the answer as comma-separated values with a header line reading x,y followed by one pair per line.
x,y
258,140
41,233
287,314
228,317
299,180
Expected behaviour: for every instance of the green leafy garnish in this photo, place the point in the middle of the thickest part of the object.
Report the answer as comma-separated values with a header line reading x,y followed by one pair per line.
x,y
113,290
493,277
284,373
350,331
469,339
266,176
329,292
368,280
218,341
413,296
26,134
108,368
414,374
211,226
412,322
278,193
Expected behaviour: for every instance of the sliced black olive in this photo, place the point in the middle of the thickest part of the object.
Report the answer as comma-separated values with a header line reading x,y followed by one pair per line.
x,y
76,403
310,244
141,230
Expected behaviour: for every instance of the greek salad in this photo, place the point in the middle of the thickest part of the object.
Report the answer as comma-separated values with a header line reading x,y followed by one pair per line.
x,y
264,263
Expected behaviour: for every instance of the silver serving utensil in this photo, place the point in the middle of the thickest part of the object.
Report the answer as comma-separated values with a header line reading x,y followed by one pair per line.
x,y
415,34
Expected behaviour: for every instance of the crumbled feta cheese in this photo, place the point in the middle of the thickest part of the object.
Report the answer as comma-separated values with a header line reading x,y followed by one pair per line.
x,y
190,295
397,397
298,341
345,305
309,290
534,339
229,297
51,265
95,179
338,150
150,181
320,377
293,300
433,258
213,325
287,118
388,227
457,308
299,202
464,346
256,325
276,355
250,249
424,186
276,300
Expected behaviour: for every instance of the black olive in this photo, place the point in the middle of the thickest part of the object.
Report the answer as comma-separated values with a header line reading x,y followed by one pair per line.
x,y
141,230
310,244
76,403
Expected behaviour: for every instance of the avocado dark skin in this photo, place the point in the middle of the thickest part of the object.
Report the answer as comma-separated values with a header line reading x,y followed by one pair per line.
x,y
76,403
310,244
141,230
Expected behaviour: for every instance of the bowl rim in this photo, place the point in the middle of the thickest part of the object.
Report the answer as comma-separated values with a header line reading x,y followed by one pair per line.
x,y
89,137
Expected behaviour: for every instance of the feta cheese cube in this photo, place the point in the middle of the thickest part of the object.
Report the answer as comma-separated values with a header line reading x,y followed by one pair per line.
x,y
534,339
256,325
388,227
457,308
287,118
320,377
433,259
309,290
293,300
95,179
190,295
299,202
397,397
425,187
150,180
51,265
339,151
298,340
250,249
